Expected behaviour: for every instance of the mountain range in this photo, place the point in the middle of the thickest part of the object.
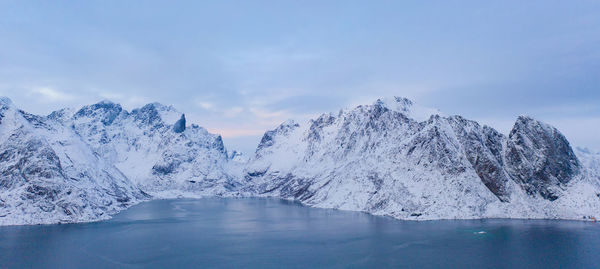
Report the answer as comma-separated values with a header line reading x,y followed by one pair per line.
x,y
391,157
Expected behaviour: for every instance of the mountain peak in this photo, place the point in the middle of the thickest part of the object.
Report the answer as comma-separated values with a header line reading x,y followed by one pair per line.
x,y
156,113
407,107
179,125
106,102
5,101
529,124
402,101
540,157
61,114
103,105
106,111
524,119
158,106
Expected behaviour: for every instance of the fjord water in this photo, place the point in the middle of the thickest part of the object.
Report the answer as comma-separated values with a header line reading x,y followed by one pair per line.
x,y
265,233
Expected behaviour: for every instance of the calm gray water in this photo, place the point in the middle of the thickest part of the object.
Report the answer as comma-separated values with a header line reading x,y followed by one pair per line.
x,y
259,233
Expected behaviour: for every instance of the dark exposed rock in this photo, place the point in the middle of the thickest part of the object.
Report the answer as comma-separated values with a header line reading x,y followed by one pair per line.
x,y
35,120
40,191
26,160
540,158
376,121
166,168
257,173
483,147
318,125
106,111
433,147
268,138
234,154
148,115
59,115
124,199
218,145
5,105
179,126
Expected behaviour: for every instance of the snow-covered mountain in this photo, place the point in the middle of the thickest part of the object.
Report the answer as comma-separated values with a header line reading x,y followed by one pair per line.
x,y
85,165
398,159
155,149
388,158
49,174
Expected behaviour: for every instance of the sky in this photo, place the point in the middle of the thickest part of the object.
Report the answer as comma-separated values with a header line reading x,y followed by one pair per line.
x,y
239,68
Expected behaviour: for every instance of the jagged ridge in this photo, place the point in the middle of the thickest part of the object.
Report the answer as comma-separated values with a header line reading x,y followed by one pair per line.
x,y
389,158
85,165
378,158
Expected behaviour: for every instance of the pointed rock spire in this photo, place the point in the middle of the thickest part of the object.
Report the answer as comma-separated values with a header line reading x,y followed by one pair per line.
x,y
179,125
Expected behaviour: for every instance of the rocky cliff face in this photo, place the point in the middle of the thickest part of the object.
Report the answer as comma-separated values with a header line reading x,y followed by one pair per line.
x,y
395,158
483,147
540,158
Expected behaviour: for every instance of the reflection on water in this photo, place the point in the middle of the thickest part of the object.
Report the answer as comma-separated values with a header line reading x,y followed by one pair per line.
x,y
277,233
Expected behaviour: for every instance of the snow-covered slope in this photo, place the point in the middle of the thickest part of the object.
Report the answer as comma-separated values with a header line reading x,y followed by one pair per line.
x,y
155,149
395,158
49,174
590,162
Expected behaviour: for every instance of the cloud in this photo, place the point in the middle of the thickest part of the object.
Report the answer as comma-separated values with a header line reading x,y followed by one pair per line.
x,y
111,95
205,105
233,112
48,94
268,117
271,57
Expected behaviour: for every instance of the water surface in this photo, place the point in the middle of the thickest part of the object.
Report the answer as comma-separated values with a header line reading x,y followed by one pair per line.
x,y
266,233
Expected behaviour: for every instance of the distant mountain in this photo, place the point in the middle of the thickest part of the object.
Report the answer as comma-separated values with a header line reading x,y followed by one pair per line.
x,y
391,157
398,159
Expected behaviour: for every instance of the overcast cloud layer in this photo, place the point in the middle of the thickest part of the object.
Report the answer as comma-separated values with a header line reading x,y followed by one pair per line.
x,y
239,68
